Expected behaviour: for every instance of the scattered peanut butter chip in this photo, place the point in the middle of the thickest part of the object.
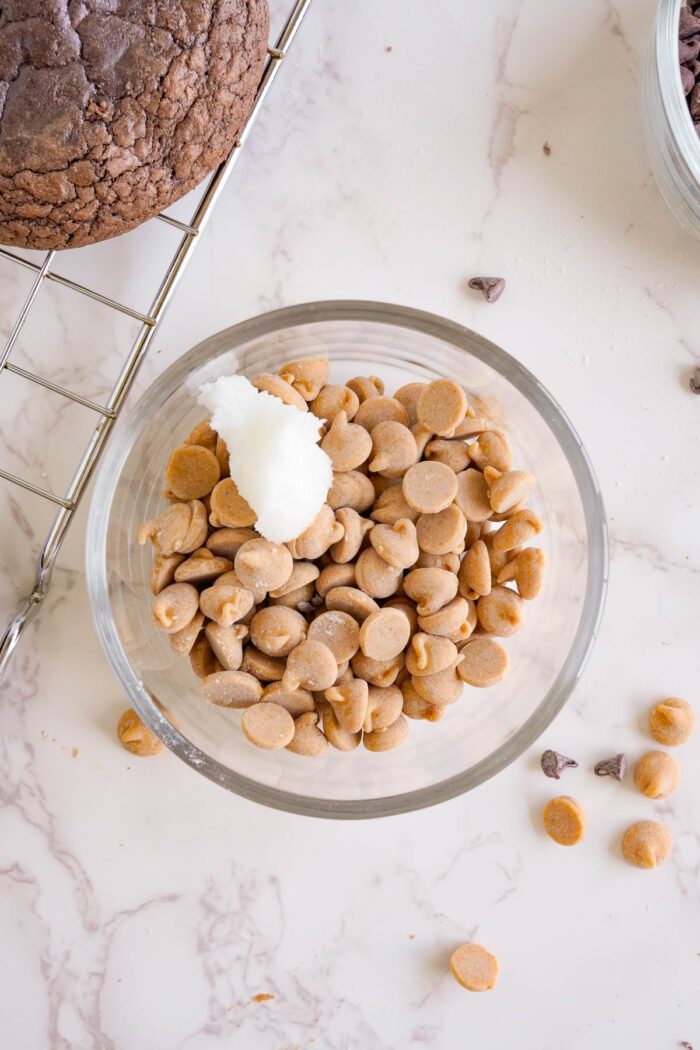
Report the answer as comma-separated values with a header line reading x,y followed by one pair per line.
x,y
657,774
268,726
564,820
646,844
135,736
475,968
491,288
672,721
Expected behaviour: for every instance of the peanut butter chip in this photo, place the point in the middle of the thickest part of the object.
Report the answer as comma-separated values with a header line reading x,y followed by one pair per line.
x,y
474,968
564,820
308,739
296,701
475,571
408,396
387,739
346,444
163,571
136,737
396,544
312,666
414,706
349,702
351,489
380,409
339,631
342,575
472,496
228,507
278,387
202,567
175,606
394,449
505,490
646,844
444,687
182,641
672,721
442,406
231,689
519,529
334,399
366,386
192,472
385,634
380,673
351,600
430,654
431,589
501,612
321,534
442,532
527,569
260,564
448,621
277,630
391,506
262,666
226,543
355,529
225,603
169,530
484,662
430,487
384,705
339,738
307,377
657,774
454,454
202,659
374,576
202,434
227,644
268,726
491,450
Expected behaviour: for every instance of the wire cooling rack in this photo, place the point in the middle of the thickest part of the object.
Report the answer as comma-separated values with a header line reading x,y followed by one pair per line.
x,y
149,324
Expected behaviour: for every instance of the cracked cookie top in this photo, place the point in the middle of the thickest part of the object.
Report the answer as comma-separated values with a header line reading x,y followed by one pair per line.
x,y
110,110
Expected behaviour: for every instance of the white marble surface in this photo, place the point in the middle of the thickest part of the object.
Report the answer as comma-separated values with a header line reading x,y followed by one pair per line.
x,y
141,907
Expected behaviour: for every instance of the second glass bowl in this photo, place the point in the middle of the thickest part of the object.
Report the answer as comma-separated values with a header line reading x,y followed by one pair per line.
x,y
482,732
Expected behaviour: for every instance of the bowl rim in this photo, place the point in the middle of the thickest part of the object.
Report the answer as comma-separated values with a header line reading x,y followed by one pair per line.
x,y
459,337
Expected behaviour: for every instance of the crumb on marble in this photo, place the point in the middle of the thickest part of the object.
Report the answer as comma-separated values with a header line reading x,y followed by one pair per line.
x,y
262,997
388,48
547,149
74,752
411,936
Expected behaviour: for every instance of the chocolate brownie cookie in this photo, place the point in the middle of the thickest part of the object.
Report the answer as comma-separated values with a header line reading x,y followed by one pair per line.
x,y
110,110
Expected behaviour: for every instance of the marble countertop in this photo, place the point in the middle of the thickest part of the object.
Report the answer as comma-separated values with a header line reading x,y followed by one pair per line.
x,y
141,907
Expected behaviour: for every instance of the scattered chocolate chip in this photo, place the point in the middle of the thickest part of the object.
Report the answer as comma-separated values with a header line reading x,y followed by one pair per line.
x,y
553,763
490,287
547,149
695,381
612,767
685,1044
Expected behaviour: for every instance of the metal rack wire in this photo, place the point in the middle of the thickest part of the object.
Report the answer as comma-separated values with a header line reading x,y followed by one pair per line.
x,y
109,411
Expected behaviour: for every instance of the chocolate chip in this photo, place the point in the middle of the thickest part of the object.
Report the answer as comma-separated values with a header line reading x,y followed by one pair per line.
x,y
687,80
688,24
615,767
490,287
553,763
694,101
689,49
695,378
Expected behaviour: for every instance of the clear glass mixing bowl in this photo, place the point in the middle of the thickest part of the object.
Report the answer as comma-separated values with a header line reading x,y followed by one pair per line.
x,y
486,729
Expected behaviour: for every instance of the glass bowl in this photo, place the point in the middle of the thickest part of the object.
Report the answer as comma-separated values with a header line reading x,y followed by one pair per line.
x,y
486,729
671,141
